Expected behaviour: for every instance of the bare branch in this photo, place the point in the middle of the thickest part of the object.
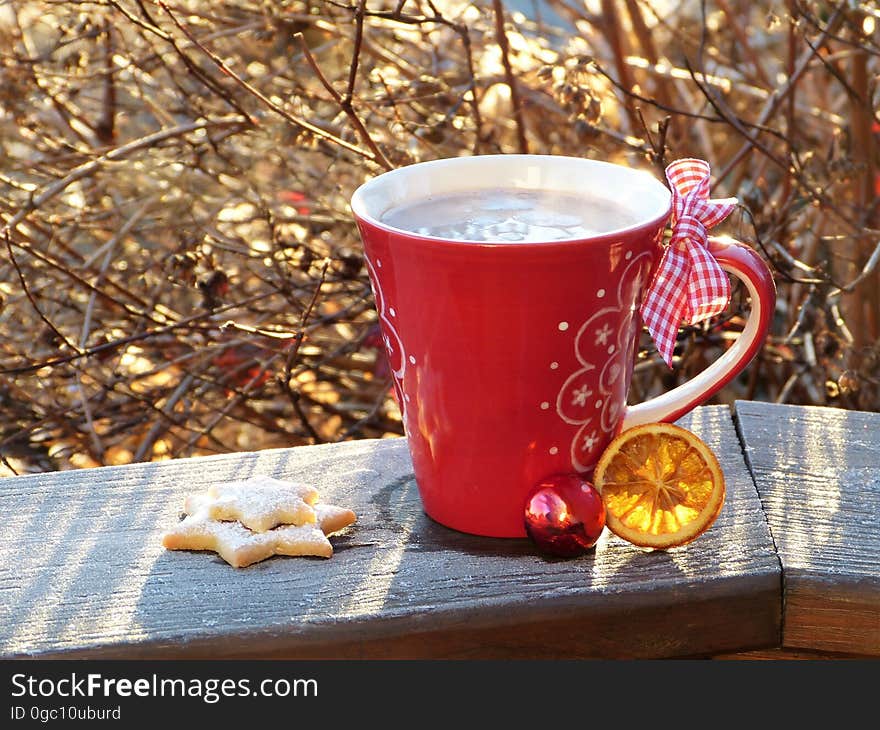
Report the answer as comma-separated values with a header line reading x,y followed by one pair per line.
x,y
292,118
516,103
345,102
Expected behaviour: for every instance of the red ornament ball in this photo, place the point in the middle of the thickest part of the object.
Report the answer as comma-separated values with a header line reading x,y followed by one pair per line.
x,y
565,515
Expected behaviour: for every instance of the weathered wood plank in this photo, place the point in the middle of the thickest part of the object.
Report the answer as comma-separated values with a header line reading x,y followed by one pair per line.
x,y
818,474
83,573
788,655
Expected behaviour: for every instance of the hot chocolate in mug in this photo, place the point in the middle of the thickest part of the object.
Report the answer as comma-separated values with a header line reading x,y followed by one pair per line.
x,y
512,359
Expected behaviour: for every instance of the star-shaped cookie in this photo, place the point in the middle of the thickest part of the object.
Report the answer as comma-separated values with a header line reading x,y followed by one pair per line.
x,y
240,547
260,503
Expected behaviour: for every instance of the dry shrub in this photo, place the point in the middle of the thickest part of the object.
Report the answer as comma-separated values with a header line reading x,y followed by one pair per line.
x,y
182,274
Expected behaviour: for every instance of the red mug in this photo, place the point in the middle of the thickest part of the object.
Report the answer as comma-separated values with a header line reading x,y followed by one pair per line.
x,y
512,361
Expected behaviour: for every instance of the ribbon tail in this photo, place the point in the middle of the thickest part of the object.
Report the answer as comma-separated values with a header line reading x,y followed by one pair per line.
x,y
708,288
666,302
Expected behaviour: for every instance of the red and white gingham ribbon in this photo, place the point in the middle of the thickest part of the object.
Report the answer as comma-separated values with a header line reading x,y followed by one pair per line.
x,y
689,286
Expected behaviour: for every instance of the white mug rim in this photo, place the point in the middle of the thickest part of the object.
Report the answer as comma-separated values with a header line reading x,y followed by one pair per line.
x,y
658,199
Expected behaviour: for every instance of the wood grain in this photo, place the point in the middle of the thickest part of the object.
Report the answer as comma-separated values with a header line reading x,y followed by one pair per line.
x,y
789,655
817,471
83,573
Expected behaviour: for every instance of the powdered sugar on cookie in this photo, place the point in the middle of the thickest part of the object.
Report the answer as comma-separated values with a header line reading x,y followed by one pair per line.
x,y
261,501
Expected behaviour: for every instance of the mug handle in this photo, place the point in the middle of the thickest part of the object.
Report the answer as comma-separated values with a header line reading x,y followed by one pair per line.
x,y
748,267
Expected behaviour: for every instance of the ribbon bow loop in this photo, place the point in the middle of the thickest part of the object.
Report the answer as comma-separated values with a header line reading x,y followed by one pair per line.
x,y
690,286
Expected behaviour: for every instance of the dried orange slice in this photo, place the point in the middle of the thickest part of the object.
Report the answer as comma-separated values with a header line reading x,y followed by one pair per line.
x,y
661,485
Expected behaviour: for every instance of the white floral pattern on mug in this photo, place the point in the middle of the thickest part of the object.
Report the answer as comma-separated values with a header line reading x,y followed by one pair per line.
x,y
394,348
613,331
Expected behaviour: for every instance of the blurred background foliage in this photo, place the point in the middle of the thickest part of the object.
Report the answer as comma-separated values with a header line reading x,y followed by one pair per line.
x,y
180,271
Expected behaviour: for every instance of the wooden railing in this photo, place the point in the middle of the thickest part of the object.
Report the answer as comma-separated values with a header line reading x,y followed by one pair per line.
x,y
791,566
